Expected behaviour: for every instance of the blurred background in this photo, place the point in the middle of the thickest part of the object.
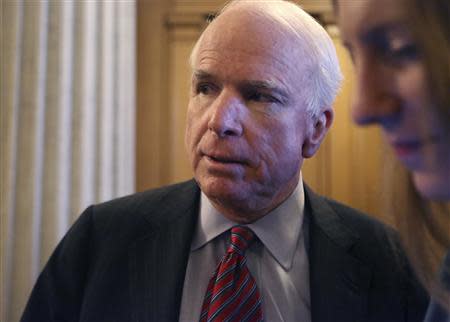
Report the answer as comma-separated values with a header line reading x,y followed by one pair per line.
x,y
93,103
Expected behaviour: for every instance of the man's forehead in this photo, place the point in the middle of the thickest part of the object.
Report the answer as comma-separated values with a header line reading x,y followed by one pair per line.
x,y
254,32
247,55
251,35
272,67
239,46
249,52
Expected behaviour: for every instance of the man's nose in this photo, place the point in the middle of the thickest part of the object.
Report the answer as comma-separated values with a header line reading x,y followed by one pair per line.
x,y
226,114
374,97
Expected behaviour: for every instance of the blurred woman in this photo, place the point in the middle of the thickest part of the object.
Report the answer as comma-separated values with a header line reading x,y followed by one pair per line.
x,y
401,55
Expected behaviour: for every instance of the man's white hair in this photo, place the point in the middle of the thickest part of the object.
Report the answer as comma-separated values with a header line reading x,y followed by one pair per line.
x,y
322,75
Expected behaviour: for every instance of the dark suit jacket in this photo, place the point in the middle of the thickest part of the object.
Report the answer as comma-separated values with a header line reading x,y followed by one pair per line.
x,y
125,260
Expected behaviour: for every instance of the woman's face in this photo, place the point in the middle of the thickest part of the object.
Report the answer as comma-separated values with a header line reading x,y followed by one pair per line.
x,y
391,90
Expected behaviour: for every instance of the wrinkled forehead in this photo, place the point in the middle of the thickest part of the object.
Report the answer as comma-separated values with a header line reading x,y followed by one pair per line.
x,y
250,32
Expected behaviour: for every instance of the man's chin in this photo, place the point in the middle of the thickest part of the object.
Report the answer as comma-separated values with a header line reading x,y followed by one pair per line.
x,y
223,189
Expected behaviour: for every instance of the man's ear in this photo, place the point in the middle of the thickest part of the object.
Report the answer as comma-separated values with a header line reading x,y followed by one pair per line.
x,y
322,123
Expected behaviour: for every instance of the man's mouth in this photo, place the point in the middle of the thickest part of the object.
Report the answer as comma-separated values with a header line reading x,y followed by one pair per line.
x,y
223,159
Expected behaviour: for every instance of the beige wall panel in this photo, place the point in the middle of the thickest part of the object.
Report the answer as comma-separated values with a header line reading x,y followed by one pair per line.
x,y
211,6
152,75
181,43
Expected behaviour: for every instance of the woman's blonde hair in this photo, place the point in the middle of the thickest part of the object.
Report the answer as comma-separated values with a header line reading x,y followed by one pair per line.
x,y
423,226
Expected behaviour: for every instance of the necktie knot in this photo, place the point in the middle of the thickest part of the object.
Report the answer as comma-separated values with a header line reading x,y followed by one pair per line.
x,y
241,239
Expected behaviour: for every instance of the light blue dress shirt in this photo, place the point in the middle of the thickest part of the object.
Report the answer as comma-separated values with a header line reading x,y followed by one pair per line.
x,y
277,260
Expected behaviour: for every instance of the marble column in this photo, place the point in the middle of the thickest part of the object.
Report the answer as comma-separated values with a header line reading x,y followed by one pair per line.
x,y
67,126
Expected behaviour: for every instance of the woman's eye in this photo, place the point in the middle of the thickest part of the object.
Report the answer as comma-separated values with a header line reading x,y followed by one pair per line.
x,y
406,52
394,47
400,49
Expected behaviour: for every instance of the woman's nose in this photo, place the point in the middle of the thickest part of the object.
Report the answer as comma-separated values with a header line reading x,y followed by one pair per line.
x,y
374,97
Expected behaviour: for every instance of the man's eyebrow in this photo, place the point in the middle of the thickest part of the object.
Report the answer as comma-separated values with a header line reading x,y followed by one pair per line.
x,y
200,75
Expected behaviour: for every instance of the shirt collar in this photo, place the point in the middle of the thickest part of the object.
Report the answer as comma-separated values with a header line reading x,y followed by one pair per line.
x,y
279,230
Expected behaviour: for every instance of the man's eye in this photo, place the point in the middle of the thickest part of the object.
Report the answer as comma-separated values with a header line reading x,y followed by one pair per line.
x,y
204,89
262,97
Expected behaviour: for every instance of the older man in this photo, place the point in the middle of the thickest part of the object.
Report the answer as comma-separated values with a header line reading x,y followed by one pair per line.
x,y
246,240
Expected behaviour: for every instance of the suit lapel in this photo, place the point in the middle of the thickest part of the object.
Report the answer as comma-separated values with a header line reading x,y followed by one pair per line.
x,y
158,259
338,281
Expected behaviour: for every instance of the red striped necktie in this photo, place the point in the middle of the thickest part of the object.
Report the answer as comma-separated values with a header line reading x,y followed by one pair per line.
x,y
232,294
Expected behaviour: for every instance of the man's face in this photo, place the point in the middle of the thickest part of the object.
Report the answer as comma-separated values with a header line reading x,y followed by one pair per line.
x,y
246,123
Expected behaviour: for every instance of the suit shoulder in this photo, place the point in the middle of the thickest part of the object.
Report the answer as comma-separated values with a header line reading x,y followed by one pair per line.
x,y
349,227
375,240
152,206
356,218
150,196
